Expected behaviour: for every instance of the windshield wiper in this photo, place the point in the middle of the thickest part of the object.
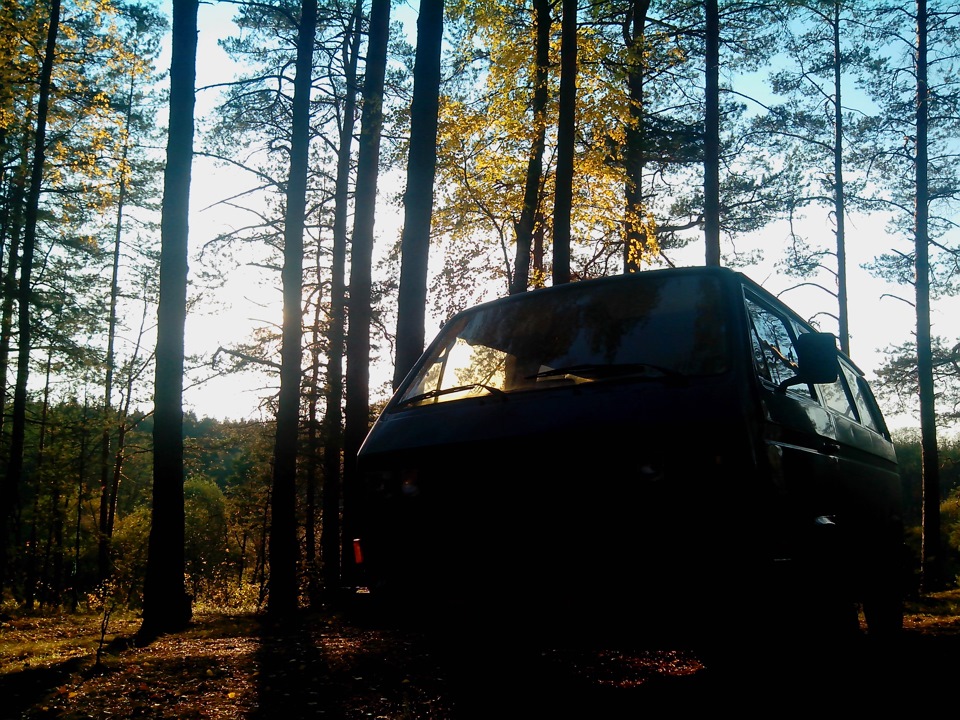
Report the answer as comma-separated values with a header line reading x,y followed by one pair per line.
x,y
445,391
601,371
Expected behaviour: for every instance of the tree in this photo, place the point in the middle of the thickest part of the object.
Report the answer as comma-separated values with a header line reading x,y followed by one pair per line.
x,y
932,559
19,30
283,521
418,196
711,135
898,379
133,178
526,226
252,123
330,541
566,136
916,157
820,125
357,414
83,134
11,479
166,605
639,144
205,534
636,239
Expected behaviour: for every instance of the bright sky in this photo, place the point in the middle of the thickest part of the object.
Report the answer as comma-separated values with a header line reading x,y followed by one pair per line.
x,y
876,321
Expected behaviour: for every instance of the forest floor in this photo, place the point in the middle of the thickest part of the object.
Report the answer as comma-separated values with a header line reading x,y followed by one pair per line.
x,y
331,665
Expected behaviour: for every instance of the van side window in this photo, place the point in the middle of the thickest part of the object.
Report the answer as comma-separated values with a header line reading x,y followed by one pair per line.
x,y
862,396
773,352
834,396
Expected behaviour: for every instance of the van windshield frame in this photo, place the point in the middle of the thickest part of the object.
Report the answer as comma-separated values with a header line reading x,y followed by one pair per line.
x,y
634,328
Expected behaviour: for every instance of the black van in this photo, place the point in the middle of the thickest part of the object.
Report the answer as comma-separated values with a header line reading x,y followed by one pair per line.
x,y
630,457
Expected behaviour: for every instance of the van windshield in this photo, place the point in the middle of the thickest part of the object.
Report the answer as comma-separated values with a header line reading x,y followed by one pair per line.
x,y
663,329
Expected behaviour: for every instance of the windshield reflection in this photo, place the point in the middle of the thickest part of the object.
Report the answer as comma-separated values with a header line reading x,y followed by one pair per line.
x,y
633,328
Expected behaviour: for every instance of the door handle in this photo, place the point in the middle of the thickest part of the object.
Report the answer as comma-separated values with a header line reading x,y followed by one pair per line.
x,y
830,448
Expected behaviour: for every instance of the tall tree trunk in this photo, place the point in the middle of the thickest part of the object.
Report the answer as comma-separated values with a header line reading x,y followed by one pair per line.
x,y
711,139
118,458
14,224
103,555
123,416
59,504
418,195
40,473
166,605
78,525
284,550
635,152
566,140
932,562
357,418
330,540
260,571
10,481
534,179
839,207
312,455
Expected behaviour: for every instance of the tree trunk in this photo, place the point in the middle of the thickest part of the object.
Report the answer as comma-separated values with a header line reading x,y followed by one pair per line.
x,y
312,459
103,555
711,139
15,227
534,178
53,555
839,208
40,474
10,481
932,562
78,526
635,152
166,605
260,571
418,196
357,418
123,418
330,540
566,137
284,551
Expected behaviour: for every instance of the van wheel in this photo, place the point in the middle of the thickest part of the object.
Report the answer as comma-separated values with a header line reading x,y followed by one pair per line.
x,y
827,620
883,595
884,616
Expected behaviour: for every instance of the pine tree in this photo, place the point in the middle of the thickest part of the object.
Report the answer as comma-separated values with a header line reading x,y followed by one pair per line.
x,y
357,414
916,158
166,605
418,195
284,551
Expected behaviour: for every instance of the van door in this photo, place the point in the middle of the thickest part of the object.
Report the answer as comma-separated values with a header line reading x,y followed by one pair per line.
x,y
869,497
798,434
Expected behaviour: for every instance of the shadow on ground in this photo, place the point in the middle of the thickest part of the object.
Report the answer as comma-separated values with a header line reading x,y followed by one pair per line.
x,y
334,666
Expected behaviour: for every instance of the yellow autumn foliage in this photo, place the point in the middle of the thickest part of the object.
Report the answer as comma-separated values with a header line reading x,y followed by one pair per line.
x,y
486,133
92,66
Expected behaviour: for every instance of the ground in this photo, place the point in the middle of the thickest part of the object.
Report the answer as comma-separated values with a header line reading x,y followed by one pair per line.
x,y
334,665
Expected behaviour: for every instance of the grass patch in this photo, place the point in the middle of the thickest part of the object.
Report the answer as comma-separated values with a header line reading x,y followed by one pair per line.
x,y
32,641
944,604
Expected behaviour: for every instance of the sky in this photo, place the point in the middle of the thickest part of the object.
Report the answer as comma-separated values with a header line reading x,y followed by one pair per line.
x,y
877,319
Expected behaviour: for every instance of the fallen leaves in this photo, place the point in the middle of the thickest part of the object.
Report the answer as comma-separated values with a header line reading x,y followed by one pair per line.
x,y
318,666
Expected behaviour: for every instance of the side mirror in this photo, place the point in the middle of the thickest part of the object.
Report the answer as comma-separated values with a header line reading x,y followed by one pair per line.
x,y
816,360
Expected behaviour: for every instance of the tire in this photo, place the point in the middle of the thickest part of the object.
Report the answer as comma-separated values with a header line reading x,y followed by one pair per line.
x,y
884,616
883,596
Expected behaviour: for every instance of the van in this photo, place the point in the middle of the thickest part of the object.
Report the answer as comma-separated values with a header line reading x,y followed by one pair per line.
x,y
647,457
